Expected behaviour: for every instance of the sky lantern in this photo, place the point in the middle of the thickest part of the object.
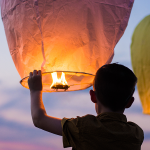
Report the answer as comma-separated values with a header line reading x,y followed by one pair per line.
x,y
67,40
140,54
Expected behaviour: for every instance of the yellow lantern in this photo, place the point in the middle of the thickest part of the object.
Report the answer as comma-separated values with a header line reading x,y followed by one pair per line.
x,y
60,36
140,54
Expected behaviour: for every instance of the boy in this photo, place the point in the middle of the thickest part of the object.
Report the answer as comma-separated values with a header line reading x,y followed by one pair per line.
x,y
113,87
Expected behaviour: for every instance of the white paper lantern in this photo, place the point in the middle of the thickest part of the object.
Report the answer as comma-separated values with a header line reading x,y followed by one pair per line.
x,y
70,36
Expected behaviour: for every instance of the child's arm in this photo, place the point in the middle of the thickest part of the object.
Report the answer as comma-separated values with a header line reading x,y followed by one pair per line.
x,y
38,112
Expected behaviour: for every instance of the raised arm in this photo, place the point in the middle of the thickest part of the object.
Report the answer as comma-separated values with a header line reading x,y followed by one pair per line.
x,y
38,112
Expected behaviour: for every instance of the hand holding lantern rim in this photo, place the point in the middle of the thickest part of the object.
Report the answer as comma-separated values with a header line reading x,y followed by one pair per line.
x,y
35,81
38,112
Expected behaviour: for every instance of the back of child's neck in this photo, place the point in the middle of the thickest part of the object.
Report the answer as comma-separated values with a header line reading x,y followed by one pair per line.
x,y
107,110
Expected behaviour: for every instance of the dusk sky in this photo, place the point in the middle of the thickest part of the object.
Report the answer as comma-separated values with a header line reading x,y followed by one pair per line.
x,y
17,131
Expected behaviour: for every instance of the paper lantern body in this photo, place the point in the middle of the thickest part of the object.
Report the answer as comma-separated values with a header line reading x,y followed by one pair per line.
x,y
64,35
140,54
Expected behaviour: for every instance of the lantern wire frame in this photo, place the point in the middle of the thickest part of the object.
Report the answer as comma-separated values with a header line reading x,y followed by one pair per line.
x,y
76,81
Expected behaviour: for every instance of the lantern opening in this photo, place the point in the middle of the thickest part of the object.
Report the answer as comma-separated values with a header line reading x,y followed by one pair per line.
x,y
62,81
59,83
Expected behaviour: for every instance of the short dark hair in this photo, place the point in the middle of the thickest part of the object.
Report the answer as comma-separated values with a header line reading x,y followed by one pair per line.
x,y
114,85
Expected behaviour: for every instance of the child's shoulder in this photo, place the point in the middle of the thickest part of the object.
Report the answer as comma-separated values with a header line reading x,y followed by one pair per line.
x,y
136,127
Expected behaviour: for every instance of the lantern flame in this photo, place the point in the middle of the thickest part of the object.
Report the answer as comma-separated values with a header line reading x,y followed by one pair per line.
x,y
59,83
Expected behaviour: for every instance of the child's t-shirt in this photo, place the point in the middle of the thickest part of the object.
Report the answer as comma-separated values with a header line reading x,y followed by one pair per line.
x,y
107,131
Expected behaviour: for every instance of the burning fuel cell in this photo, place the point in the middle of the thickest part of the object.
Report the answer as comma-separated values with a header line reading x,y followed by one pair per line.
x,y
59,83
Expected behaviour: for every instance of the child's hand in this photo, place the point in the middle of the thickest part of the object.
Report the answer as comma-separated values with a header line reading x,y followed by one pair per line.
x,y
35,81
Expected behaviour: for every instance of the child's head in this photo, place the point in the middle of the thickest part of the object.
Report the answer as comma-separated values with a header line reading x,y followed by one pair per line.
x,y
114,86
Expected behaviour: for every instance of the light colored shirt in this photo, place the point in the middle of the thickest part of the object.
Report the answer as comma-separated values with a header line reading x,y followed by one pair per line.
x,y
107,131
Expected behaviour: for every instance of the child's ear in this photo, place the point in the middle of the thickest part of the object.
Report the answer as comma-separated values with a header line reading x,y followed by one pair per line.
x,y
93,96
130,102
